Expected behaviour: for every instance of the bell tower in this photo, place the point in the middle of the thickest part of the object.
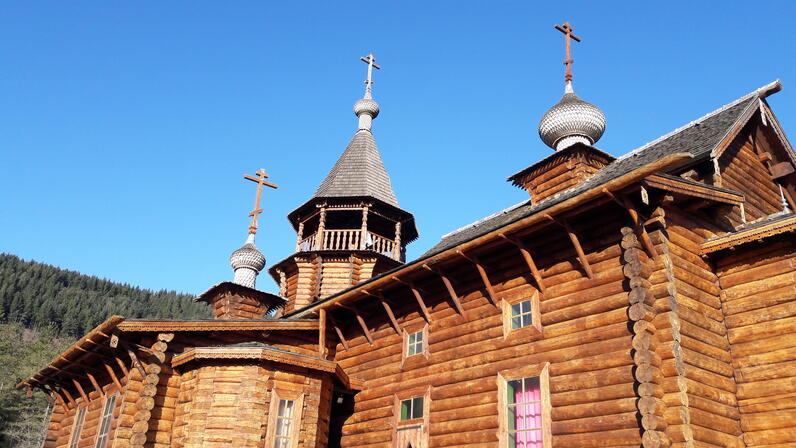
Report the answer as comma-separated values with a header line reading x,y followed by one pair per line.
x,y
352,227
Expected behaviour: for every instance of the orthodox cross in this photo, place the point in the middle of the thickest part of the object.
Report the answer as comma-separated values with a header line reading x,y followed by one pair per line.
x,y
371,61
258,177
567,30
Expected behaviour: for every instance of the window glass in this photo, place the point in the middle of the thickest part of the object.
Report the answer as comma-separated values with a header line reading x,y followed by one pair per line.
x,y
412,408
521,314
284,423
105,426
414,344
81,416
524,413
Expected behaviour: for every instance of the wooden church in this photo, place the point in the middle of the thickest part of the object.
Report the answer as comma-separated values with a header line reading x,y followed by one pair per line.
x,y
646,300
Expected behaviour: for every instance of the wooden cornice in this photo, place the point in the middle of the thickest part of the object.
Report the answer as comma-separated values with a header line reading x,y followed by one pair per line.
x,y
693,189
267,354
217,325
756,233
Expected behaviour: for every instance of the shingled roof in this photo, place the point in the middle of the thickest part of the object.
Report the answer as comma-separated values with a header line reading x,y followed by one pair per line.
x,y
359,172
699,137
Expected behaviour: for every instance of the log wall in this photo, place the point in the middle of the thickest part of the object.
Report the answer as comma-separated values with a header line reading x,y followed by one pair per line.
x,y
586,339
223,405
705,369
63,418
758,296
741,170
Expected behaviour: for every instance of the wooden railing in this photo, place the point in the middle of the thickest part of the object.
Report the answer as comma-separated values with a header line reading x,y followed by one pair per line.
x,y
350,239
381,245
341,239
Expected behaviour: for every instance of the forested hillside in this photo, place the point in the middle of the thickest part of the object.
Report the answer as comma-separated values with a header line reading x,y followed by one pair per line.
x,y
43,309
38,295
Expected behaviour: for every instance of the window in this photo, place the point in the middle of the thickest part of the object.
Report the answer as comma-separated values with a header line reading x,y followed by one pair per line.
x,y
521,314
414,345
524,407
105,426
81,416
412,408
524,413
284,418
284,423
411,417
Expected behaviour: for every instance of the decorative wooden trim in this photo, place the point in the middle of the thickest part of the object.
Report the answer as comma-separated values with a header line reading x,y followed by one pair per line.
x,y
734,239
532,332
537,370
684,187
259,353
218,325
493,297
451,292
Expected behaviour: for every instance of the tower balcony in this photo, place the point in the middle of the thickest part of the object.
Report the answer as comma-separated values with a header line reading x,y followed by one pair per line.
x,y
351,239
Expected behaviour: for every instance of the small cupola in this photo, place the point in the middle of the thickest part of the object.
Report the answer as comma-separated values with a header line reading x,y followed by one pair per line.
x,y
571,127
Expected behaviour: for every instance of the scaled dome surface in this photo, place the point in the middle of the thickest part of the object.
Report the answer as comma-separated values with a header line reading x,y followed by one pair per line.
x,y
248,256
571,120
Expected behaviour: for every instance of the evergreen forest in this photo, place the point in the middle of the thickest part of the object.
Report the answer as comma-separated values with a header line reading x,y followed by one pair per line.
x,y
43,309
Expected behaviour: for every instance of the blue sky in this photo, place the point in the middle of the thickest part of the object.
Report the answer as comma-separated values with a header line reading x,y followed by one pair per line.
x,y
125,127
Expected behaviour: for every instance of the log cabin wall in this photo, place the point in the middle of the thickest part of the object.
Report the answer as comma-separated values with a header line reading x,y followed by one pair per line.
x,y
62,422
759,299
223,405
586,341
741,170
699,385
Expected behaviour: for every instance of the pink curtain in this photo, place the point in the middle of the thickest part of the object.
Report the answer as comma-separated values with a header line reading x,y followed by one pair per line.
x,y
528,420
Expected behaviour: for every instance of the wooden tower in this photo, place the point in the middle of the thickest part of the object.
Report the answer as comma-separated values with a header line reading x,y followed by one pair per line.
x,y
352,228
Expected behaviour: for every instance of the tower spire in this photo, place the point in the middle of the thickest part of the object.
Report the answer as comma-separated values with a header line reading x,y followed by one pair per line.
x,y
248,261
367,109
567,30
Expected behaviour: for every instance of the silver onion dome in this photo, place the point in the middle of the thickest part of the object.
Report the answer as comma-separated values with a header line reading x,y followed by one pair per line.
x,y
570,121
366,106
248,256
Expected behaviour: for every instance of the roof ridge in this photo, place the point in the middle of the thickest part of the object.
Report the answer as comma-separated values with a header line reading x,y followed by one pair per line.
x,y
763,92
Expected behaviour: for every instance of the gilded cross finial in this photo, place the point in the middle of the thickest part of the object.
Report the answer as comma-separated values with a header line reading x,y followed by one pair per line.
x,y
567,30
259,177
371,61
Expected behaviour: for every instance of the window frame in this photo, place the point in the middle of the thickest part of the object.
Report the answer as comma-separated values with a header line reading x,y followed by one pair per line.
x,y
278,394
532,331
542,371
109,414
405,357
77,426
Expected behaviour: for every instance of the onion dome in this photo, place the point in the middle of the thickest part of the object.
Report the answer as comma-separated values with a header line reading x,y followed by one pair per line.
x,y
247,262
366,106
570,121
